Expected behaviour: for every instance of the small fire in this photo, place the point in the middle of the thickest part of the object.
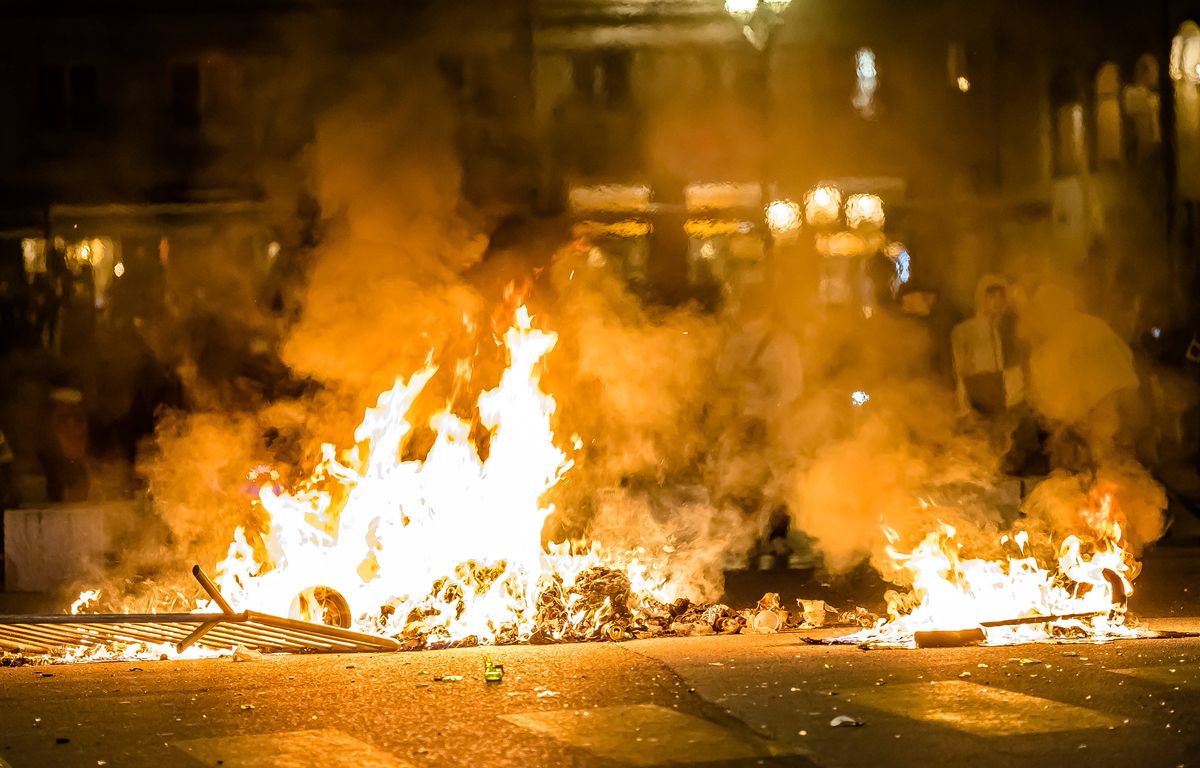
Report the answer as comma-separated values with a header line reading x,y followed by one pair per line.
x,y
1081,594
86,598
443,549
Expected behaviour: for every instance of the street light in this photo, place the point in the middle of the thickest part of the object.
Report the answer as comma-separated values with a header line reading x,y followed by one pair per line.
x,y
758,18
783,217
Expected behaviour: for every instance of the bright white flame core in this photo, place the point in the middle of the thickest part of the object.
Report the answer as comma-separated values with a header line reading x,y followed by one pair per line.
x,y
449,547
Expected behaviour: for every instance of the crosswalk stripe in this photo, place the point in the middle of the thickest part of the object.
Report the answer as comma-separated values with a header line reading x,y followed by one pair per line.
x,y
1181,675
646,735
979,709
326,747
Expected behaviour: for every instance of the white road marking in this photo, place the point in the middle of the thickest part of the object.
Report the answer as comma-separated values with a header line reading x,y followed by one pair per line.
x,y
327,747
645,734
979,709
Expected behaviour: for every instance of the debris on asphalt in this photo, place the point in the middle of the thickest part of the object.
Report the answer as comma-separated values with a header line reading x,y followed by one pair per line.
x,y
247,707
859,616
543,693
447,679
767,622
845,721
768,602
1024,662
813,612
242,653
492,673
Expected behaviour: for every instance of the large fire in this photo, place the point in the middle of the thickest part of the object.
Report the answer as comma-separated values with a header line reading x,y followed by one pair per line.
x,y
445,548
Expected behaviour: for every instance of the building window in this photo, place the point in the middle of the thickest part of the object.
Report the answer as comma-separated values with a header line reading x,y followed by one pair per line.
x,y
68,97
1185,53
1108,114
52,97
956,68
1066,102
83,96
615,68
1143,106
1185,73
185,93
867,79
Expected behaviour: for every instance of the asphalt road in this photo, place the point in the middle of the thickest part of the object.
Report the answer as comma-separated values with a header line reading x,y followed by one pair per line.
x,y
716,701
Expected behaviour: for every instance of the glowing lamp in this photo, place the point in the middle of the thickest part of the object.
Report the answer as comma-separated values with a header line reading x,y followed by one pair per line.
x,y
740,8
864,211
783,217
822,205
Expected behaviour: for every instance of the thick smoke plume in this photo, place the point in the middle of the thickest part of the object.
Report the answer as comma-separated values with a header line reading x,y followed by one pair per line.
x,y
695,429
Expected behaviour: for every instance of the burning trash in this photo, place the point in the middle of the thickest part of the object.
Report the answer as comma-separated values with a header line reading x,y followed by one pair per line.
x,y
1081,592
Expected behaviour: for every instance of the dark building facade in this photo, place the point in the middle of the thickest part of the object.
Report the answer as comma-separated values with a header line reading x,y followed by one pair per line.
x,y
1029,133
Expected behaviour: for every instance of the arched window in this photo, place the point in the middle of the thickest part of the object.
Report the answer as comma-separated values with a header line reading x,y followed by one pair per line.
x,y
1143,106
1185,53
1067,106
1185,72
1108,114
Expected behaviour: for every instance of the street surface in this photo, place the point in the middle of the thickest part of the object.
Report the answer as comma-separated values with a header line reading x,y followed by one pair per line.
x,y
743,700
717,701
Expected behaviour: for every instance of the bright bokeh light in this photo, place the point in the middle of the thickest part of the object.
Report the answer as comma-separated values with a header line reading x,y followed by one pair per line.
x,y
740,7
119,269
964,84
864,210
823,204
783,217
859,398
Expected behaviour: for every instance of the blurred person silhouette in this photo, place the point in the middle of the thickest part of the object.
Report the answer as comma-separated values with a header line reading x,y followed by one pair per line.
x,y
64,447
989,361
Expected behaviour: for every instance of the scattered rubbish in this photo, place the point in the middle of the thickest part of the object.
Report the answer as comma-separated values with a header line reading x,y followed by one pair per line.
x,y
816,613
1070,653
845,721
47,674
1024,662
543,693
813,612
964,674
768,602
767,622
422,685
447,679
614,631
859,616
247,706
492,673
244,653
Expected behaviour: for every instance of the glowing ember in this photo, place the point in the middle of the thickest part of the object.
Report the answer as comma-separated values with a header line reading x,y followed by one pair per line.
x,y
1091,575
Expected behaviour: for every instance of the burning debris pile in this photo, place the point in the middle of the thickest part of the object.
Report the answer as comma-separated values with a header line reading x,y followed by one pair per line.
x,y
433,539
1014,598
